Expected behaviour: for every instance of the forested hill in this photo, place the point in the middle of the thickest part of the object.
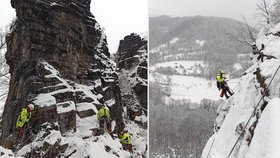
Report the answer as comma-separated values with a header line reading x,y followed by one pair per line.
x,y
215,40
164,28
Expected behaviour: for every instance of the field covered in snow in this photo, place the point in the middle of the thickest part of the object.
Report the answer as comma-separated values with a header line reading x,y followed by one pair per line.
x,y
195,88
186,87
191,88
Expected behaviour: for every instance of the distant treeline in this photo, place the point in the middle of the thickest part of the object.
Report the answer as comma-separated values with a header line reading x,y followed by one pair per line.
x,y
181,126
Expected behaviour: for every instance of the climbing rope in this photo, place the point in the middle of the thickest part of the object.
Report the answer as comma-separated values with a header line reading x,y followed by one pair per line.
x,y
226,101
236,85
248,120
254,111
31,147
210,148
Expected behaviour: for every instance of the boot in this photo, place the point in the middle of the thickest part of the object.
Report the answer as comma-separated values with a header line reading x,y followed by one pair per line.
x,y
226,95
230,92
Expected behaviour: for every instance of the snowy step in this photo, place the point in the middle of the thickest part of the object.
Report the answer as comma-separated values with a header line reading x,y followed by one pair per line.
x,y
86,109
65,107
51,88
66,116
86,113
64,96
82,97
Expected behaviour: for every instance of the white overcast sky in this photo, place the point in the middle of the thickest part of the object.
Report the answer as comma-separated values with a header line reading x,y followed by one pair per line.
x,y
118,17
224,8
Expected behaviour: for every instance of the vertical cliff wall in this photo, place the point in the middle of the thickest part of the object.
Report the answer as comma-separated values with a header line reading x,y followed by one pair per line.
x,y
59,61
131,60
132,65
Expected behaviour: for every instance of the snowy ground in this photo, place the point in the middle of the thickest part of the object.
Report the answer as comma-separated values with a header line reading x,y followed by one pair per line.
x,y
267,132
193,88
266,140
86,145
182,67
6,153
188,87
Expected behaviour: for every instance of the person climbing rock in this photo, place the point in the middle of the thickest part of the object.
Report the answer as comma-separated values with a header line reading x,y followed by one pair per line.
x,y
126,141
222,84
258,52
261,55
23,120
104,119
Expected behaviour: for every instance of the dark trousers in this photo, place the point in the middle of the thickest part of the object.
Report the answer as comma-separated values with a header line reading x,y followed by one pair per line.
x,y
127,147
225,90
105,121
20,133
24,132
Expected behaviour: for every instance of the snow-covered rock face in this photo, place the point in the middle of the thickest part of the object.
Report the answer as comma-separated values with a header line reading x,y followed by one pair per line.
x,y
132,71
249,117
132,64
59,61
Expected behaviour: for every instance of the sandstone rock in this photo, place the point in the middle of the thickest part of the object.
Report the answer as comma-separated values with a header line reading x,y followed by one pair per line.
x,y
58,57
132,65
86,113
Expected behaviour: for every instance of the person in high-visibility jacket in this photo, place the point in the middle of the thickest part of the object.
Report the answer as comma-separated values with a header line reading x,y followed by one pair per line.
x,y
126,141
23,119
221,84
103,116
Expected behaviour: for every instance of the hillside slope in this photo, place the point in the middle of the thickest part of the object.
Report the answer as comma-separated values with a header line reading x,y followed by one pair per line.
x,y
247,124
210,39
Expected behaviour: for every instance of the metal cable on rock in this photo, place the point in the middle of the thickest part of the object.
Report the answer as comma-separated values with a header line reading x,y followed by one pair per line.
x,y
255,108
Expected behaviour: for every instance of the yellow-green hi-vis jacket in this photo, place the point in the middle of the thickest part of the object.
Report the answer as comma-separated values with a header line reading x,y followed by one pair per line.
x,y
126,139
23,117
103,112
220,78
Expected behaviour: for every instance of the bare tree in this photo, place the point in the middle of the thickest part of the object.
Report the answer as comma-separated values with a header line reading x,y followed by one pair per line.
x,y
246,35
156,93
249,30
4,68
2,39
263,12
